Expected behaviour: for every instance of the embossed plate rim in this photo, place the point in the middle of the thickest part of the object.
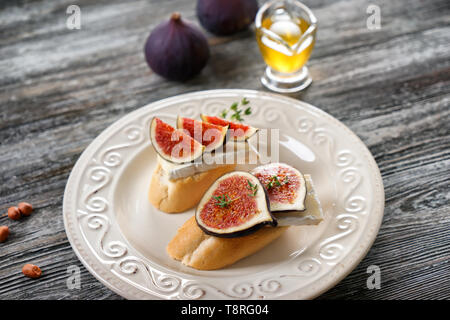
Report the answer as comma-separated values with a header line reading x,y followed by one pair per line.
x,y
126,289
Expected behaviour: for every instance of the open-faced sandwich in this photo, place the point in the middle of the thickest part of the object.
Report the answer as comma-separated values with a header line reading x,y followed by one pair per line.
x,y
182,174
243,212
237,212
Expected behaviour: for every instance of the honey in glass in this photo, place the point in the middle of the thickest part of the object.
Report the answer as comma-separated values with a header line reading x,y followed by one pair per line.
x,y
276,55
285,32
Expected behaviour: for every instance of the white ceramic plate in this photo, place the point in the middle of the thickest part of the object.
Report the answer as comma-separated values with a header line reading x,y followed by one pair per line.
x,y
122,239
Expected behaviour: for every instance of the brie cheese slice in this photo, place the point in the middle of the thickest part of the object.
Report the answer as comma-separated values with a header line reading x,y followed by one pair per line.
x,y
233,154
179,171
312,215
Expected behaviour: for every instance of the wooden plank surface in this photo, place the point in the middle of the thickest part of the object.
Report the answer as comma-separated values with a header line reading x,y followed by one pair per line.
x,y
60,88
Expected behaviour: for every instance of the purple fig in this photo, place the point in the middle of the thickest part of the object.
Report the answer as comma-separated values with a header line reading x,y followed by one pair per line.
x,y
176,50
225,17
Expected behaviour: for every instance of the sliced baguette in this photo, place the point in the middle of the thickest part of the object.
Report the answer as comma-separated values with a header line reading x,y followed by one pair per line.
x,y
198,250
172,196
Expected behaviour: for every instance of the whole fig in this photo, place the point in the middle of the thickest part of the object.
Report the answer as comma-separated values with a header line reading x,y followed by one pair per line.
x,y
225,17
176,50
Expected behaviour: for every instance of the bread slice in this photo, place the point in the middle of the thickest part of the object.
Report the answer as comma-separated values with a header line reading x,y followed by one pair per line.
x,y
198,250
172,196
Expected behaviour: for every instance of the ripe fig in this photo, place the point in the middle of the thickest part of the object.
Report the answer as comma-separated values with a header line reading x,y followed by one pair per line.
x,y
174,145
237,131
210,135
285,186
176,50
235,205
225,17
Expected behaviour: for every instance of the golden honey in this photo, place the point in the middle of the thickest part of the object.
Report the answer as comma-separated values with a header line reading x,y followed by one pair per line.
x,y
288,55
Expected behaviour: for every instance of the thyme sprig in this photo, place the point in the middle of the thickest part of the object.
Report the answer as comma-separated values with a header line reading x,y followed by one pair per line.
x,y
253,188
276,182
224,201
236,111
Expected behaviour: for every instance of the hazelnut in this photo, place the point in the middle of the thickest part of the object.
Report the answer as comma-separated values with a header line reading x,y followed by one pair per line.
x,y
4,233
25,208
31,271
14,213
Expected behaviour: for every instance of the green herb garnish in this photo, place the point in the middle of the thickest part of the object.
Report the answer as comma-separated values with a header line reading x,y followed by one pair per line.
x,y
237,116
224,200
276,182
236,112
273,181
252,187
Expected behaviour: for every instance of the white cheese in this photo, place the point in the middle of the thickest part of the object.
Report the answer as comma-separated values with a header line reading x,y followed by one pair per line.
x,y
312,215
178,171
238,153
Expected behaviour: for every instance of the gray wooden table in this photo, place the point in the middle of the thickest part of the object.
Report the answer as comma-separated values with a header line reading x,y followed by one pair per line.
x,y
60,88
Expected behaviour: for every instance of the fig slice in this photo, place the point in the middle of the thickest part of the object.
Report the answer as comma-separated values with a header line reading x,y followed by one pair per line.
x,y
174,145
236,131
235,205
212,136
285,185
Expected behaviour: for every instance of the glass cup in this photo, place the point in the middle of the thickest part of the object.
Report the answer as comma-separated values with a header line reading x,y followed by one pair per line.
x,y
286,33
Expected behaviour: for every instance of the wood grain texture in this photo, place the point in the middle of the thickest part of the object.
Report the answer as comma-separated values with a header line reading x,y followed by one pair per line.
x,y
60,88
